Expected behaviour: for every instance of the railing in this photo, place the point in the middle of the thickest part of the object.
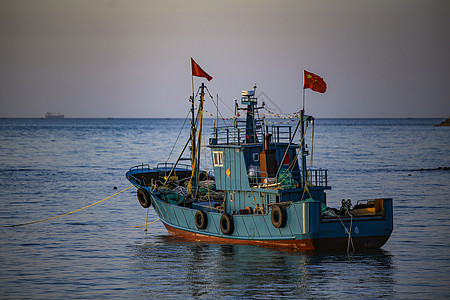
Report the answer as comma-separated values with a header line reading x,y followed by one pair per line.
x,y
317,177
228,135
140,167
168,166
235,134
135,169
281,133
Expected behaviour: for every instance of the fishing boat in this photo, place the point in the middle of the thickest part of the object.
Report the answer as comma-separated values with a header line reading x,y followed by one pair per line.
x,y
261,190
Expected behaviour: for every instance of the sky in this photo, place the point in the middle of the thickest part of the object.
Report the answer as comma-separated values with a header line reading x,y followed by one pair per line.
x,y
131,58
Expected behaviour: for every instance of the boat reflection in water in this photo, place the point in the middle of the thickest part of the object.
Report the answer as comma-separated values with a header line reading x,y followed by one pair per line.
x,y
171,266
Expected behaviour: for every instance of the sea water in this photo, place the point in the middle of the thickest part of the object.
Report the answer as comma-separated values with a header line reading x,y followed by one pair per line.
x,y
51,167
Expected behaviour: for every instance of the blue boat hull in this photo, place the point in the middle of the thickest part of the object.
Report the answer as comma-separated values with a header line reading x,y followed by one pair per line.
x,y
304,228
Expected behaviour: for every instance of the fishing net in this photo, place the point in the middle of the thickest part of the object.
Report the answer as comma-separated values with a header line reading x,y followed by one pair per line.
x,y
285,179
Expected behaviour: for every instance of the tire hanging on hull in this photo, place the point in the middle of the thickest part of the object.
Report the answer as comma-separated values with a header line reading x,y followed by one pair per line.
x,y
278,216
201,219
226,224
144,197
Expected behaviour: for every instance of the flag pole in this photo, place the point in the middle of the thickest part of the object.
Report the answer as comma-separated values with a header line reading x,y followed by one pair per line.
x,y
192,118
303,98
303,108
192,79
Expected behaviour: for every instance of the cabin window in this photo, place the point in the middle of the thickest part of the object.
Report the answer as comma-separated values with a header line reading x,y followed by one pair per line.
x,y
218,158
255,156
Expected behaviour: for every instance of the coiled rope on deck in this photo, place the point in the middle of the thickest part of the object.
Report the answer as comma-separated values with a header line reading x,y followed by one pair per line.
x,y
29,223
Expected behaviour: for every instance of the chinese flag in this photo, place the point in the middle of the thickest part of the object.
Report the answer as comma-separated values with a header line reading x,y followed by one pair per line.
x,y
197,71
314,82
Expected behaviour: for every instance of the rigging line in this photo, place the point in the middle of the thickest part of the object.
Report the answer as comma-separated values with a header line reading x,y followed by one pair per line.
x,y
282,115
208,92
198,91
29,223
225,105
223,119
292,165
287,148
176,162
176,141
206,170
199,151
219,113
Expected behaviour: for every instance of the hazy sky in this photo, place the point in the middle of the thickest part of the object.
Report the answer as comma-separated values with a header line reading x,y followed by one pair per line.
x,y
113,58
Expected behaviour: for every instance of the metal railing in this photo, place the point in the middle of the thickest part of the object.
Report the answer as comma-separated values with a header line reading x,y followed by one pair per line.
x,y
165,166
318,177
138,169
281,133
235,134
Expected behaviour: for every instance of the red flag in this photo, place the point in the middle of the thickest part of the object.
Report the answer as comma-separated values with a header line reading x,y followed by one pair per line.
x,y
314,82
197,71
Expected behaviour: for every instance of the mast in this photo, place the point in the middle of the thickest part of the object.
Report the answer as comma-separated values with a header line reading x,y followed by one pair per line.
x,y
196,144
249,99
303,154
302,136
192,130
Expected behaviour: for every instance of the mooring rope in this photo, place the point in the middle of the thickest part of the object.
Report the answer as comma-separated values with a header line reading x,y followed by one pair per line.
x,y
139,226
29,223
349,240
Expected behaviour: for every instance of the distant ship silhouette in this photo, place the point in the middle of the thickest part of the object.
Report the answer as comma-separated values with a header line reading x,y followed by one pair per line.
x,y
51,115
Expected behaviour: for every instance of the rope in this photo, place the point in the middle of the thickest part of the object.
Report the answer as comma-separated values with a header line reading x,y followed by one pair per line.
x,y
291,166
349,240
287,148
146,224
146,218
29,223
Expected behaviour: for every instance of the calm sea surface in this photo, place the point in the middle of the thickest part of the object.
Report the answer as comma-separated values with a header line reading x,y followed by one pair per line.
x,y
50,167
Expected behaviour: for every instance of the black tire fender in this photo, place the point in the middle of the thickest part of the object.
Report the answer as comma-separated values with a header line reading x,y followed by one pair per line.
x,y
278,216
201,219
144,197
226,224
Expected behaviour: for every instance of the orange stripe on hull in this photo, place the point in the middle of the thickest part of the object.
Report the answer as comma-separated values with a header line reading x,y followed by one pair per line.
x,y
305,244
360,243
